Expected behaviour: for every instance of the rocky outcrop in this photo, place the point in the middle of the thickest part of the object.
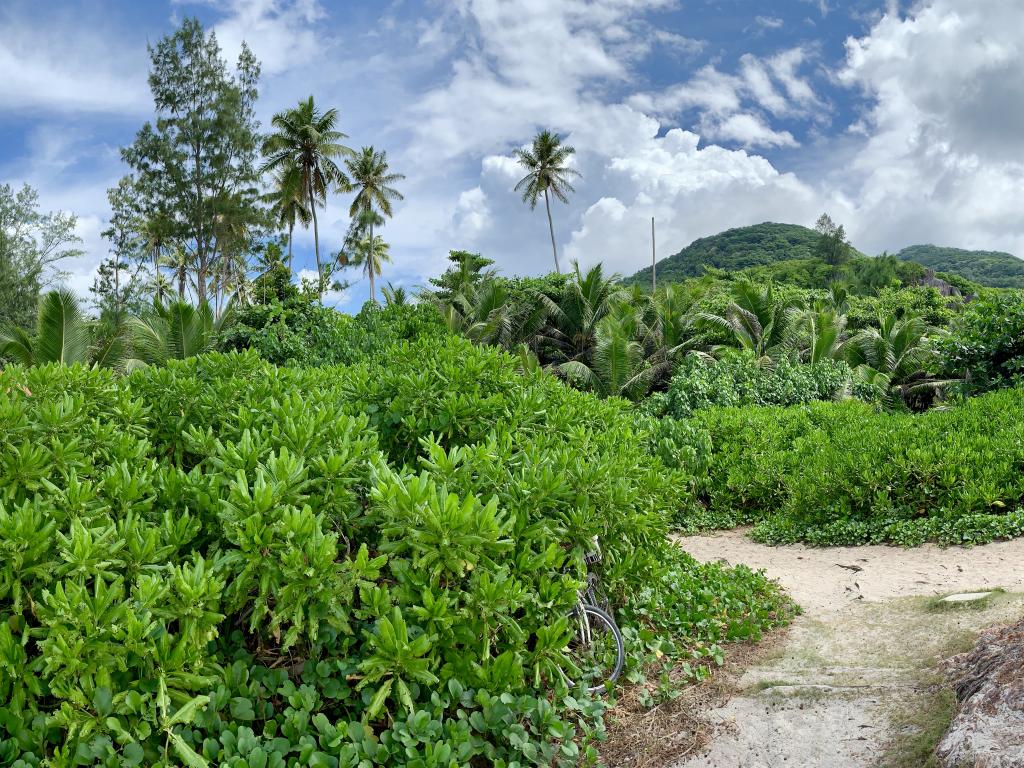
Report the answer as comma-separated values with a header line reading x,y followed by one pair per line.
x,y
943,287
988,728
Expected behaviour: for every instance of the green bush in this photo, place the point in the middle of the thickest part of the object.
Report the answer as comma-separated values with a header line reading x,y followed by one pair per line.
x,y
288,327
741,380
985,346
844,473
221,562
913,301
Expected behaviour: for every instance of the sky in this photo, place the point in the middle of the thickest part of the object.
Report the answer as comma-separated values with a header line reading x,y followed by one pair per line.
x,y
903,120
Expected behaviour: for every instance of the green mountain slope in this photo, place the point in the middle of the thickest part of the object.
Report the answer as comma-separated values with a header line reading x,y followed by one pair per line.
x,y
733,250
990,268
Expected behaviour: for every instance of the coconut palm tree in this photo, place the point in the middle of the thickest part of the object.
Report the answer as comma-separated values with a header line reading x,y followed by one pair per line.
x,y
618,363
481,312
573,317
62,334
176,331
309,142
895,356
288,204
547,175
816,334
395,296
178,262
360,251
755,318
373,180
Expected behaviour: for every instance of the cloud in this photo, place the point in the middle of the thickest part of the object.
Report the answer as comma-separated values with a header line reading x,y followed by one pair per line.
x,y
737,107
941,160
750,131
769,22
283,35
472,216
526,63
57,65
691,192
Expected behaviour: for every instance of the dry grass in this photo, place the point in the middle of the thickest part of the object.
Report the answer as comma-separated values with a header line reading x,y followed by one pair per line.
x,y
654,737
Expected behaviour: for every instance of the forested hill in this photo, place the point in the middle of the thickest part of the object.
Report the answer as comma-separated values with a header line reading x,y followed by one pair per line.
x,y
991,268
733,250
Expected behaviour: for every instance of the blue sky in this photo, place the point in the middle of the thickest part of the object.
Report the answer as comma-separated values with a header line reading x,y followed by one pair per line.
x,y
904,120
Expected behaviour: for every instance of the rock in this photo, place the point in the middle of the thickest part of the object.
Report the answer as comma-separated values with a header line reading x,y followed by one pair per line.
x,y
965,597
988,727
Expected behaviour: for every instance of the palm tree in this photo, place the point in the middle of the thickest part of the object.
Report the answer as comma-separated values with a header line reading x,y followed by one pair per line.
x,y
371,254
548,173
308,141
156,231
395,296
288,204
482,312
176,331
816,334
896,355
372,178
62,334
756,318
178,262
573,317
618,364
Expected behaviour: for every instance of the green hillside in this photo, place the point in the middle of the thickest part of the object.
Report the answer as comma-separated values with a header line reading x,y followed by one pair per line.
x,y
733,250
990,268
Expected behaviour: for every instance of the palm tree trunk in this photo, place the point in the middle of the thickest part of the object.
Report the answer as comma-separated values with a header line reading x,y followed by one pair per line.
x,y
291,230
316,242
551,227
370,265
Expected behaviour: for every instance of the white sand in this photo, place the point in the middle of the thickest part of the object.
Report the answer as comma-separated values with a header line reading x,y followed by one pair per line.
x,y
858,655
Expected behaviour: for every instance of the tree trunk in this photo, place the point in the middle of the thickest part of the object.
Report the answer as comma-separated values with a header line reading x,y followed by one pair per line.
x,y
551,227
291,230
370,265
316,243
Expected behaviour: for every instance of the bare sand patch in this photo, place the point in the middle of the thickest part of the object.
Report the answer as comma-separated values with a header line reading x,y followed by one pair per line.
x,y
853,683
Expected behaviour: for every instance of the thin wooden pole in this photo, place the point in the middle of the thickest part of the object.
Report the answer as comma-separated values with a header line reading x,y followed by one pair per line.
x,y
654,261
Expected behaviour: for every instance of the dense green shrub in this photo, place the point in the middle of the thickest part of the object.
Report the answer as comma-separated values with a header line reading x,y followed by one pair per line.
x,y
221,562
287,326
739,379
844,473
913,301
985,347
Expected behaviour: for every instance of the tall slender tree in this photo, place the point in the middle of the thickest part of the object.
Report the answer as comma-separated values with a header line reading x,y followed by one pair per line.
x,y
203,147
548,174
307,141
289,205
372,178
371,254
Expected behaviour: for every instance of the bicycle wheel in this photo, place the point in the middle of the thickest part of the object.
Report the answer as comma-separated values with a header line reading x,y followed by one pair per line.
x,y
597,650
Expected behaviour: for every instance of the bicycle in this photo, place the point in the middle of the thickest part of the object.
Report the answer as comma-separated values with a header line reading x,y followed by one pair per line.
x,y
597,649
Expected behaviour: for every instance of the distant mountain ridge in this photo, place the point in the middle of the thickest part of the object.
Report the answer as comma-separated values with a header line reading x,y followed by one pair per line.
x,y
772,242
994,269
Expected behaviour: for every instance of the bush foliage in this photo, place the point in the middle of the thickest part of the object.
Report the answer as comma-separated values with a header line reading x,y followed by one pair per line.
x,y
288,326
221,562
738,379
846,473
985,347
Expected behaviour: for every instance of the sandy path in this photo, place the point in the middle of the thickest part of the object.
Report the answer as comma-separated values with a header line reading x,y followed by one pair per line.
x,y
842,687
